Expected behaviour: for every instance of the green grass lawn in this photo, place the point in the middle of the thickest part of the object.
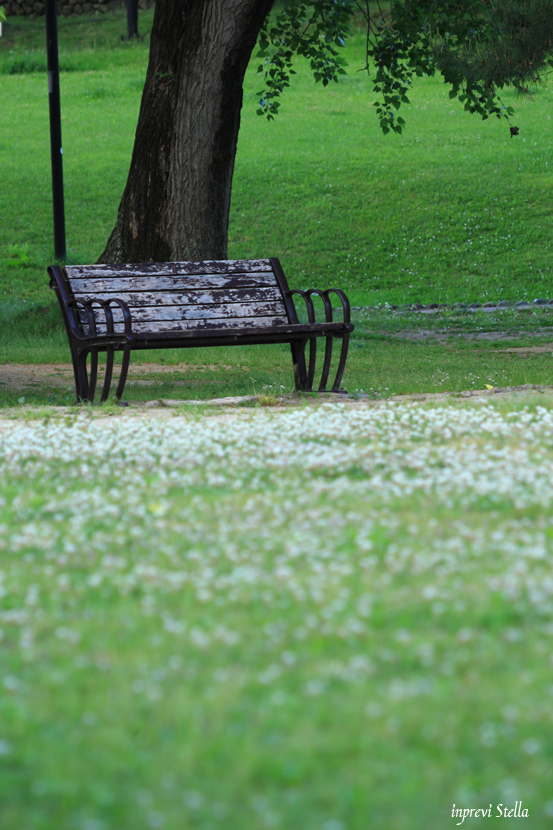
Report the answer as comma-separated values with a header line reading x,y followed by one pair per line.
x,y
324,617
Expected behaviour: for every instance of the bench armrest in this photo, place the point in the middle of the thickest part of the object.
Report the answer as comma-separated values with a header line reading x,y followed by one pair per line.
x,y
105,305
324,295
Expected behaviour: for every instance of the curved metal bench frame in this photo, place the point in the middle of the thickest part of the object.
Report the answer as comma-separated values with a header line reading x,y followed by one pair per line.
x,y
309,376
78,313
85,383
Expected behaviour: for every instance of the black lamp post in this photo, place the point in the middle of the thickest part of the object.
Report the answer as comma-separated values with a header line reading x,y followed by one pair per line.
x,y
132,18
55,128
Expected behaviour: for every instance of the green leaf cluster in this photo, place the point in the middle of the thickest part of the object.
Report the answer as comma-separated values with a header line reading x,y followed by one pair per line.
x,y
478,46
314,31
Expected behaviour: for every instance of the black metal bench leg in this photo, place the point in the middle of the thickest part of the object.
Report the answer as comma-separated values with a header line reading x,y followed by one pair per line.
x,y
93,375
124,370
326,364
312,362
108,374
342,363
302,370
298,360
294,350
81,376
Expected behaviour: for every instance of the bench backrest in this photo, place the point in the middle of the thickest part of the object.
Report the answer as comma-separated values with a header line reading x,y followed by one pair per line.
x,y
177,296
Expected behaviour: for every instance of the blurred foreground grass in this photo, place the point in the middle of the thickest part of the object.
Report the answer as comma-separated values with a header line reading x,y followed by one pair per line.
x,y
325,617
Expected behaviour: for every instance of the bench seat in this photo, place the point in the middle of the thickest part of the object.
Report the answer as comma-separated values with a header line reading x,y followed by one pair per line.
x,y
189,304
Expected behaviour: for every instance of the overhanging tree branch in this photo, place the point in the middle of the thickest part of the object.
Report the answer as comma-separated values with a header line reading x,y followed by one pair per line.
x,y
177,199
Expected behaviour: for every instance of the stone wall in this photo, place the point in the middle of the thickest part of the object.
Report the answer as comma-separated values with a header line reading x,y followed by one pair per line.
x,y
35,8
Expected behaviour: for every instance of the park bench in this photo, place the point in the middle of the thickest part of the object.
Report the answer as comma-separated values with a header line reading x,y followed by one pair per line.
x,y
110,308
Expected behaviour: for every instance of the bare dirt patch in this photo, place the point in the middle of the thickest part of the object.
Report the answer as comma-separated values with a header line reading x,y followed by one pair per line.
x,y
527,350
486,336
21,376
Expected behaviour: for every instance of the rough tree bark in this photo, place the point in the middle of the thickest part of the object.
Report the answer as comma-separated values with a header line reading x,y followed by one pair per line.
x,y
176,202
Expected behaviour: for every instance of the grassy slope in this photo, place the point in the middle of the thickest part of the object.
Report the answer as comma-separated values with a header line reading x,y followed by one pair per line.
x,y
453,210
99,112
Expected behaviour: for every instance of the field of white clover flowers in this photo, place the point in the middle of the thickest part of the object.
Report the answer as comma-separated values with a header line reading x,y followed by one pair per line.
x,y
327,618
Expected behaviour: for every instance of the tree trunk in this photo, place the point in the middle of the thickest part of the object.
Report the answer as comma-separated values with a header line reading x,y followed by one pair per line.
x,y
176,202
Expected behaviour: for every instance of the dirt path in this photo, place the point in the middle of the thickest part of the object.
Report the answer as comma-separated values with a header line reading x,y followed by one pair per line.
x,y
21,376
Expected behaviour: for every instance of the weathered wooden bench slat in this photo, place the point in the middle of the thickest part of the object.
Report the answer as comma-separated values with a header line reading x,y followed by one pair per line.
x,y
197,324
144,299
152,314
177,283
231,266
186,304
